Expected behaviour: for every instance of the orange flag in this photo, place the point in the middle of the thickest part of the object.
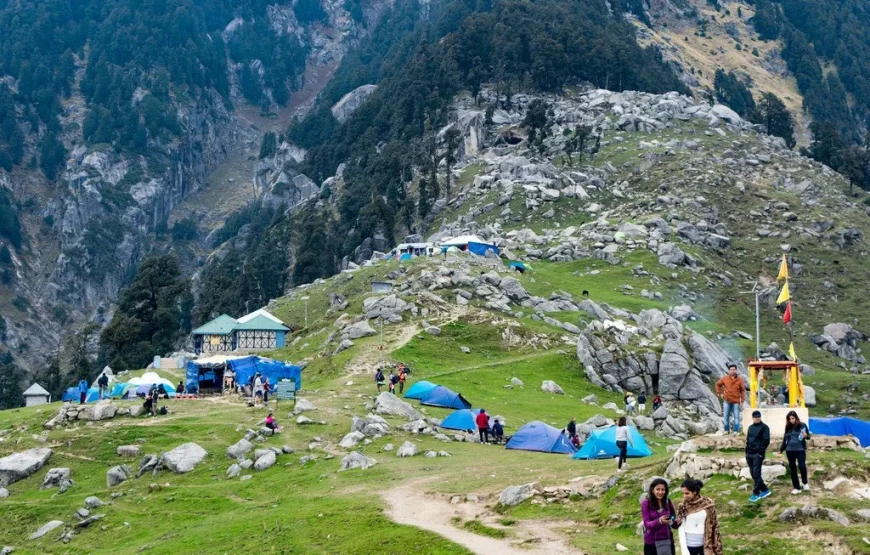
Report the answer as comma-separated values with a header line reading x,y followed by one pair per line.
x,y
786,318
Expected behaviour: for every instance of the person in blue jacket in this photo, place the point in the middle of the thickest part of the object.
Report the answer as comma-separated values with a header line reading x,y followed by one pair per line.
x,y
83,391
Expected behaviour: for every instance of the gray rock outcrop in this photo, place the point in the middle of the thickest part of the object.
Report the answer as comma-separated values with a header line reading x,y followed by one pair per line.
x,y
117,475
19,466
514,495
356,460
58,478
387,403
240,449
407,449
184,458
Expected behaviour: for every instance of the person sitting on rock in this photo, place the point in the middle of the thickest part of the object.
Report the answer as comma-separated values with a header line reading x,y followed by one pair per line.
x,y
272,424
657,402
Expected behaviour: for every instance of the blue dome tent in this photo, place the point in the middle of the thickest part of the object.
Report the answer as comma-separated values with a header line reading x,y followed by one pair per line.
x,y
71,394
842,426
602,445
537,436
419,389
462,419
442,397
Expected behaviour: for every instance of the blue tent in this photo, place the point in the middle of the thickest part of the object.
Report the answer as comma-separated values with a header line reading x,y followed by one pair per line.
x,y
71,394
440,396
602,445
480,248
244,369
406,256
537,436
93,395
419,389
462,419
842,426
119,389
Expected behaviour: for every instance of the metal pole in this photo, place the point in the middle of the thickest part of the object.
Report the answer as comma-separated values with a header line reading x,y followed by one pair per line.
x,y
757,329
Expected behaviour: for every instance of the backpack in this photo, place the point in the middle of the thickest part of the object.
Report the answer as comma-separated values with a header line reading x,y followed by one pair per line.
x,y
162,410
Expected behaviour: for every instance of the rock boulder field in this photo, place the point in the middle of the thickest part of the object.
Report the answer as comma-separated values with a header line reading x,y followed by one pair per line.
x,y
19,466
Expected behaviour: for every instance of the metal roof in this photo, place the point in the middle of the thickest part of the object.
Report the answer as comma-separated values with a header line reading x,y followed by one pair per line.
x,y
36,390
261,323
222,325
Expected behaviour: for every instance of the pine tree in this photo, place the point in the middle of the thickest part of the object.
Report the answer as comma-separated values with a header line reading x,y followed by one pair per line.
x,y
269,145
451,143
11,394
776,119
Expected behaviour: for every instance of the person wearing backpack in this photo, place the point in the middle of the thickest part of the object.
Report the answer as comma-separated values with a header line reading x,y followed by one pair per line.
x,y
379,379
794,443
103,383
402,377
658,514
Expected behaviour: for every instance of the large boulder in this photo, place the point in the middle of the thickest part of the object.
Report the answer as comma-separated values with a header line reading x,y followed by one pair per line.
x,y
117,475
358,330
102,411
240,449
513,289
266,460
303,405
768,472
809,396
710,358
58,478
387,403
356,460
351,440
184,458
549,386
45,529
593,309
407,449
19,466
514,495
350,102
673,368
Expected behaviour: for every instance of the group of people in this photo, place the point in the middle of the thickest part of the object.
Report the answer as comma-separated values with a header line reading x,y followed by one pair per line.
x,y
485,430
397,379
695,519
637,405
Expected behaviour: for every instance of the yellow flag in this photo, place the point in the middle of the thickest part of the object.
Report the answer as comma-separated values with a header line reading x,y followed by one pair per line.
x,y
783,269
783,295
791,352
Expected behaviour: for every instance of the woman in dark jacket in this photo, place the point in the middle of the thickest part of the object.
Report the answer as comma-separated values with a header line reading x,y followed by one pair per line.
x,y
658,513
794,443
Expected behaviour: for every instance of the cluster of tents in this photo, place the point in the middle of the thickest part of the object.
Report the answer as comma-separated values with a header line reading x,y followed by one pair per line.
x,y
534,436
122,390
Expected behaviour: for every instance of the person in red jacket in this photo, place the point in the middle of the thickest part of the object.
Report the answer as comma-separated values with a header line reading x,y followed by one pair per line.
x,y
482,421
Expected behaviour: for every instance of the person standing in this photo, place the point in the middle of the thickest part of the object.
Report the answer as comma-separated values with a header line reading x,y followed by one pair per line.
x,y
757,441
394,380
266,388
697,522
83,391
482,421
630,404
103,384
229,381
732,390
623,439
402,377
571,428
258,388
641,403
658,513
154,397
180,389
379,379
794,443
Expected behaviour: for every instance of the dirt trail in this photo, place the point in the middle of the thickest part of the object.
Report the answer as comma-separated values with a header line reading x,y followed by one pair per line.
x,y
407,504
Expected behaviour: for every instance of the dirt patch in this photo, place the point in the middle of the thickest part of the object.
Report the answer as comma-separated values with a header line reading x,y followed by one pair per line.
x,y
409,505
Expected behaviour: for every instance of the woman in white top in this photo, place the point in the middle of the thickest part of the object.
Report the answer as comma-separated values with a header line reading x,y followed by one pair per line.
x,y
623,439
697,522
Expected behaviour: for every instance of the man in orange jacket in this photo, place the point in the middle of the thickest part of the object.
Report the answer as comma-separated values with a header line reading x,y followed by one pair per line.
x,y
732,390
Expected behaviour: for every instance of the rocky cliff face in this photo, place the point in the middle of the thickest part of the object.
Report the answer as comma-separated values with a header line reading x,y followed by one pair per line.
x,y
87,233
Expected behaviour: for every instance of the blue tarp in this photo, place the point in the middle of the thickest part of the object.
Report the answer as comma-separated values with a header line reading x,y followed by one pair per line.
x,y
442,397
71,394
462,419
419,389
406,256
244,368
480,248
515,264
842,426
602,445
537,436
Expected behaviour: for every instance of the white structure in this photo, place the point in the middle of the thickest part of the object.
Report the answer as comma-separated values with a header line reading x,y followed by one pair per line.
x,y
462,241
259,312
36,395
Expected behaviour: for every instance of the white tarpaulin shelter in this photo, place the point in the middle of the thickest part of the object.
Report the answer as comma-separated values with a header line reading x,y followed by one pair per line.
x,y
151,378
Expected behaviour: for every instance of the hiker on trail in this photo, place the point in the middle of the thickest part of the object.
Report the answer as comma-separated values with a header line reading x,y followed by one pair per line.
x,y
623,439
271,424
83,391
641,402
732,391
103,383
794,443
757,441
180,389
402,377
497,431
697,522
266,388
394,380
658,513
258,388
657,402
379,379
482,421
